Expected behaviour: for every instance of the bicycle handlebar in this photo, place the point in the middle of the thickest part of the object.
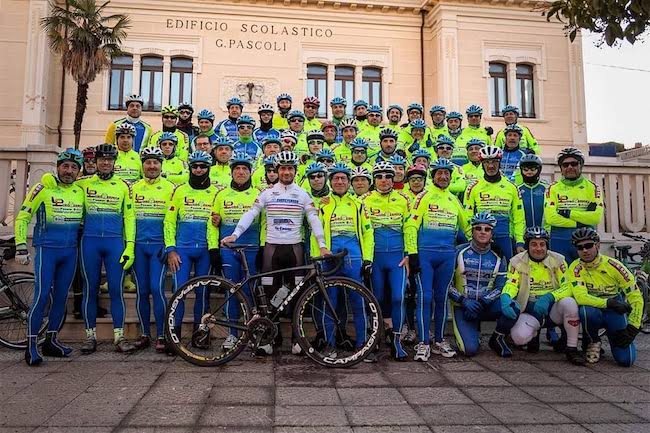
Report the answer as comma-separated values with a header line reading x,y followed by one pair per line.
x,y
339,261
635,237
236,247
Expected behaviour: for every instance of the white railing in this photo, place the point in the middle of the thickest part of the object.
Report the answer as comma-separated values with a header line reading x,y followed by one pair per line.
x,y
14,171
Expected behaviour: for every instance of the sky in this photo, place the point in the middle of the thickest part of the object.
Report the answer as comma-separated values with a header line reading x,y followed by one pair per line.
x,y
617,91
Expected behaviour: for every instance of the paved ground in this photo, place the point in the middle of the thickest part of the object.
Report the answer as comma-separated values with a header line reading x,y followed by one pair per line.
x,y
147,392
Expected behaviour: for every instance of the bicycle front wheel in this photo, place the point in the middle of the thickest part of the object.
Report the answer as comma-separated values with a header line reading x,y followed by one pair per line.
x,y
218,332
15,301
340,333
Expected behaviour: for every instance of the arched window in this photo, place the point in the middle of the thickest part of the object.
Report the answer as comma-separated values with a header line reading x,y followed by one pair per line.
x,y
151,81
121,79
344,85
525,90
371,85
180,85
317,86
498,87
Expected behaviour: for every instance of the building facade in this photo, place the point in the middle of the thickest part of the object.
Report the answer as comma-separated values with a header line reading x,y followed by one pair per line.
x,y
453,53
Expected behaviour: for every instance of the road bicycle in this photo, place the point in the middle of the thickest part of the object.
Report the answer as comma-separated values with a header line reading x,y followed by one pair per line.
x,y
239,315
638,262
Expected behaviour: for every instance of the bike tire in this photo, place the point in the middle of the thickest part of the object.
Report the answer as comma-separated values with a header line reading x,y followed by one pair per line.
x,y
13,329
219,288
304,332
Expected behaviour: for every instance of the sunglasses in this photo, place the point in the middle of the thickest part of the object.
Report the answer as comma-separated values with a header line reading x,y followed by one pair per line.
x,y
444,148
185,112
374,115
325,161
585,246
570,164
315,142
200,166
473,116
359,151
169,117
384,176
416,178
482,229
316,175
272,170
529,168
297,119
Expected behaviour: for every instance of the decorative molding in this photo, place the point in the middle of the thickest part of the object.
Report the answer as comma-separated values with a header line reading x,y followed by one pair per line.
x,y
264,90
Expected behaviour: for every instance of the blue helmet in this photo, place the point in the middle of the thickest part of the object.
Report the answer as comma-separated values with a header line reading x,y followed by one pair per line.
x,y
510,109
222,140
474,109
530,159
442,164
339,167
245,119
326,154
454,115
168,136
295,113
359,142
513,128
315,167
387,133
360,103
283,97
437,108
415,106
199,156
418,123
475,142
269,161
205,115
241,158
444,140
272,138
234,101
338,101
396,107
375,109
420,153
396,159
70,155
483,217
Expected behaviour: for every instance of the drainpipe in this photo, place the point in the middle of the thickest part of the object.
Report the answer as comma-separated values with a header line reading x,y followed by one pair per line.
x,y
422,13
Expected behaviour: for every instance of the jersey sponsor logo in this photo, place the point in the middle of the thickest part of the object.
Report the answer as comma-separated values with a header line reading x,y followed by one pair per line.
x,y
620,269
188,201
37,189
577,270
57,201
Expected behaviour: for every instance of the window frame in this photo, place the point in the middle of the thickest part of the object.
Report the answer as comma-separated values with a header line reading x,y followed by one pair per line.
x,y
181,70
344,79
494,77
122,92
371,81
520,82
149,104
316,78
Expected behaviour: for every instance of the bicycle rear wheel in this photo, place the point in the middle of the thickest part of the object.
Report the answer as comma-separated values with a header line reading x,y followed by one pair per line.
x,y
357,332
222,333
15,301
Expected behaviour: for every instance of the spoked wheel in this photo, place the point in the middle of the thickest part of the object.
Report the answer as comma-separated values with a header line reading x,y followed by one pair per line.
x,y
347,342
221,331
644,286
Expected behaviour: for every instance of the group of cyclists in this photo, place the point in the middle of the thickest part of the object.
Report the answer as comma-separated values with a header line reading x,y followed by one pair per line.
x,y
438,220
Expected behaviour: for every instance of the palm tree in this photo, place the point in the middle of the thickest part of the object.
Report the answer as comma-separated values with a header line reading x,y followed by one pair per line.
x,y
86,42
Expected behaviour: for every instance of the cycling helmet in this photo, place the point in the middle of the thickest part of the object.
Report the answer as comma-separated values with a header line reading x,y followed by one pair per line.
x,y
387,133
241,158
490,152
421,153
375,109
359,142
360,172
223,140
442,164
286,157
125,128
383,167
415,106
513,128
169,109
418,124
536,232
283,97
530,159
151,153
483,217
315,167
437,108
311,100
70,155
295,113
396,107
199,156
265,108
338,101
454,115
186,106
168,136
326,154
416,169
106,150
475,142
396,159
570,151
444,140
234,101
474,109
88,153
133,98
315,135
328,124
289,134
360,103
584,234
245,119
348,122
205,115
339,167
271,139
269,161
510,109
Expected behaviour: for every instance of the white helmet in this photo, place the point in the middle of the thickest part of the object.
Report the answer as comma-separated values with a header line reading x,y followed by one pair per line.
x,y
360,172
286,157
490,152
265,107
383,167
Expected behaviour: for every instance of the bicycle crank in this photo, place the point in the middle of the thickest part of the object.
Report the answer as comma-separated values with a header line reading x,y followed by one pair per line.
x,y
263,330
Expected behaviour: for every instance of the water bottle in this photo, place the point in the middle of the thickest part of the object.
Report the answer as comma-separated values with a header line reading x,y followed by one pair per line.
x,y
279,296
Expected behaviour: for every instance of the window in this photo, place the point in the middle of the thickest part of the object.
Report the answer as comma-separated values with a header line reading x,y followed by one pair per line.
x,y
121,79
371,85
524,89
344,85
151,80
180,86
317,86
498,87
